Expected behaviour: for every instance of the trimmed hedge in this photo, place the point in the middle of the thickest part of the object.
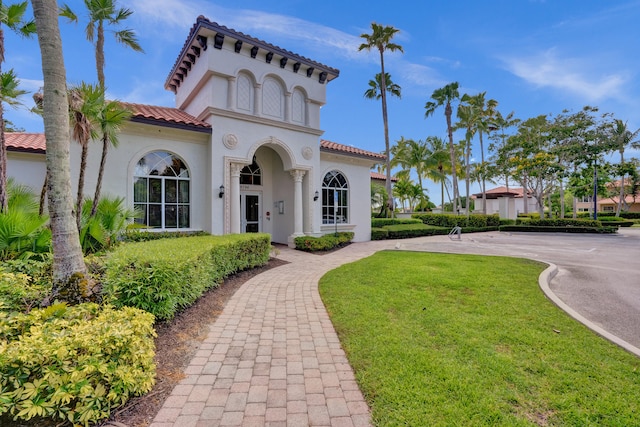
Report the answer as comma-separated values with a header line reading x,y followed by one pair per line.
x,y
405,231
378,233
563,222
552,229
168,275
323,243
138,235
382,222
73,364
450,221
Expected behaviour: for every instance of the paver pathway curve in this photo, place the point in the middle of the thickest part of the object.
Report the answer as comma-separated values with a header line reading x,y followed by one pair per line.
x,y
273,358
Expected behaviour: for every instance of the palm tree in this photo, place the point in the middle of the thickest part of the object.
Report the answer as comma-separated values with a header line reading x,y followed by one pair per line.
x,y
13,17
374,91
101,13
68,259
623,138
84,112
445,96
380,39
485,123
441,163
113,116
411,154
467,119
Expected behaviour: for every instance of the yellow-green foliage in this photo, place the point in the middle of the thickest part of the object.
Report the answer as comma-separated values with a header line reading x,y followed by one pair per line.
x,y
18,291
168,275
74,364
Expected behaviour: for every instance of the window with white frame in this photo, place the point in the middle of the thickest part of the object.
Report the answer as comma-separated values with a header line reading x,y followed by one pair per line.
x,y
161,191
335,198
251,174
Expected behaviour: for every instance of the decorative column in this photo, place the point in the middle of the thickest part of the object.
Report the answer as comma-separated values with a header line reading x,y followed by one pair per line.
x,y
234,197
287,107
231,93
297,176
257,100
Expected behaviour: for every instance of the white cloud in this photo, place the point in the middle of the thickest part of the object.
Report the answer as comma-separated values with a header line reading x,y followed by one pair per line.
x,y
573,75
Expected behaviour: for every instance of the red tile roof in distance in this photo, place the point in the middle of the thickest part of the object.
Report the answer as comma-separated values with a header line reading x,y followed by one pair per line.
x,y
328,146
382,177
167,115
25,142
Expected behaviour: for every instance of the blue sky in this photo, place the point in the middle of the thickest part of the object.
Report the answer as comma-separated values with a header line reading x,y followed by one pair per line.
x,y
532,56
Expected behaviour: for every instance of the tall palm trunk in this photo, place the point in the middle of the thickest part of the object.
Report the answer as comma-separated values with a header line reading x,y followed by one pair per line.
x,y
67,253
621,195
383,90
483,183
3,147
467,177
103,161
452,153
80,197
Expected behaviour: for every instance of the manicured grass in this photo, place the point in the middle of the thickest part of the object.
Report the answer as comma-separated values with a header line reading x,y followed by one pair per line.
x,y
465,340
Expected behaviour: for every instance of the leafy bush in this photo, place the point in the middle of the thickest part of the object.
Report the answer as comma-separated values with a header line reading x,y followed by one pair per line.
x,y
378,233
104,229
450,221
405,231
552,229
134,234
507,222
165,276
615,221
630,215
74,364
323,243
23,232
564,222
381,222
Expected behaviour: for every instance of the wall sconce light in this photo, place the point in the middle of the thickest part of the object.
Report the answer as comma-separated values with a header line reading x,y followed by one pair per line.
x,y
316,196
221,193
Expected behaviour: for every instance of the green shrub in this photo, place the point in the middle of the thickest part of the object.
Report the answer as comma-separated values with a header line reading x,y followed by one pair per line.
x,y
378,233
530,215
405,231
103,230
450,221
381,222
507,222
323,243
615,221
630,215
552,229
166,276
24,284
566,222
134,234
74,364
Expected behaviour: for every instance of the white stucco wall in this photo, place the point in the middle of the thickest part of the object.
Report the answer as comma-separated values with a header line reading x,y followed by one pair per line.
x,y
357,173
135,141
27,169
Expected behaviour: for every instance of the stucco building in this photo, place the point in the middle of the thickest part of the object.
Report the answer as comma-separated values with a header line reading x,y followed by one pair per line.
x,y
239,152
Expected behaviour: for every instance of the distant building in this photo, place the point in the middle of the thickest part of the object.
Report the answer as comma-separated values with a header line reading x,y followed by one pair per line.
x,y
507,203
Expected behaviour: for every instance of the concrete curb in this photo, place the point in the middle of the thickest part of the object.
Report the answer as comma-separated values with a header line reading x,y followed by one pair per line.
x,y
545,279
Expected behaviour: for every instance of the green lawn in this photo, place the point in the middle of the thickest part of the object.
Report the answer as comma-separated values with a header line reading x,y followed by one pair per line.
x,y
452,340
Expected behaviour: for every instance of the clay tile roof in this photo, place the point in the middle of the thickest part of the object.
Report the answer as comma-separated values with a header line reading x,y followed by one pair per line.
x,y
154,114
25,142
382,177
494,193
204,23
328,146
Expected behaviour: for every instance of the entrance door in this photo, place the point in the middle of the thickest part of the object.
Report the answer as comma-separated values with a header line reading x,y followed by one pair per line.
x,y
250,208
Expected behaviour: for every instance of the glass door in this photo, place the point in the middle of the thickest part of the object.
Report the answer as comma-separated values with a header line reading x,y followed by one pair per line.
x,y
250,208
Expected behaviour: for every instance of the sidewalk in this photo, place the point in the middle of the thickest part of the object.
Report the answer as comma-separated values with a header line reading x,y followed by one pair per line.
x,y
272,358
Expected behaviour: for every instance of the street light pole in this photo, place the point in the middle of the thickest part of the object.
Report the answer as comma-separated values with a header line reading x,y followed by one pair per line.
x,y
595,190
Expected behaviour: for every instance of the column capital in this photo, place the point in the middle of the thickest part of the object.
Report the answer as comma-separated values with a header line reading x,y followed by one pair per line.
x,y
236,168
297,174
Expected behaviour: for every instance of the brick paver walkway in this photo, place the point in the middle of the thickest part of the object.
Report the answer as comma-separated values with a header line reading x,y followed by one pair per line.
x,y
272,358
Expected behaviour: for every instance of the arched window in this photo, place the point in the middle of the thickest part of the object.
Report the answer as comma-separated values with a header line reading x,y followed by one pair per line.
x,y
272,98
335,198
245,95
298,107
251,174
161,191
